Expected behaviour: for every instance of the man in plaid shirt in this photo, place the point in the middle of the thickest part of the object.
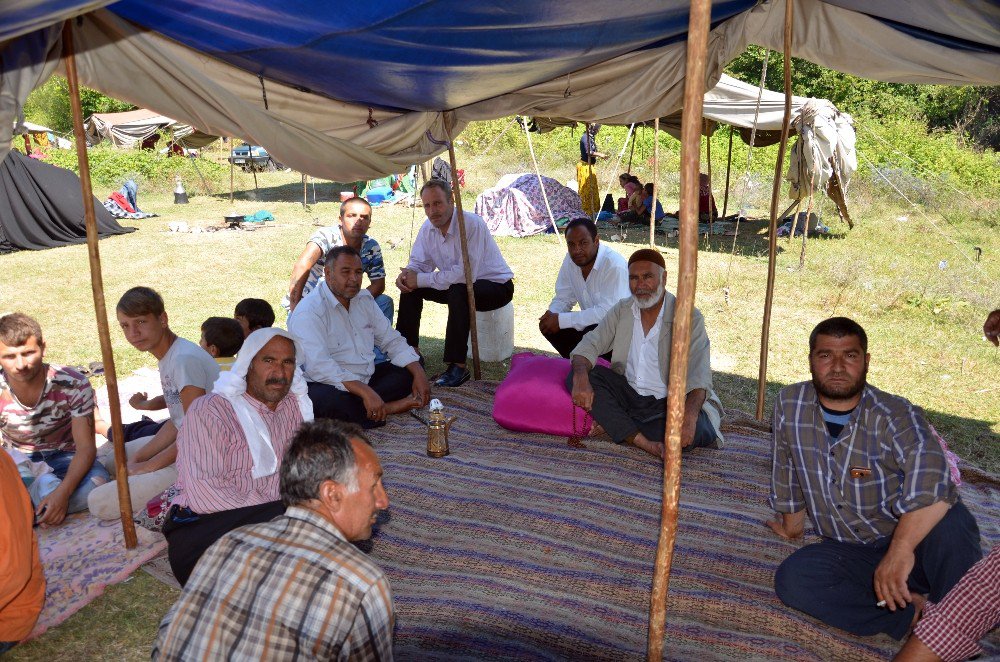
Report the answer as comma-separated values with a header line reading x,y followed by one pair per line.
x,y
878,490
295,587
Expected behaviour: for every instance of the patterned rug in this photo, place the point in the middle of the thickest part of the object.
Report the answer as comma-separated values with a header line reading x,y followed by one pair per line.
x,y
518,547
83,556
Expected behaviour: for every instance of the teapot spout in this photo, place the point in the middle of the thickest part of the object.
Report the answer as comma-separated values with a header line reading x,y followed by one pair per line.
x,y
447,424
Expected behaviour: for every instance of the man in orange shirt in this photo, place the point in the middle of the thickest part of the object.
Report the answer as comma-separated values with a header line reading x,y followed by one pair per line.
x,y
22,584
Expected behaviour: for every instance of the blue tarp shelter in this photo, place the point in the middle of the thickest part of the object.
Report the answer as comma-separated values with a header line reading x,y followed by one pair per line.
x,y
353,91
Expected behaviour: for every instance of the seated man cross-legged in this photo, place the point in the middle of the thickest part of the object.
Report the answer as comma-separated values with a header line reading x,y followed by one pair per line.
x,y
338,323
436,273
629,399
867,468
230,447
593,275
47,417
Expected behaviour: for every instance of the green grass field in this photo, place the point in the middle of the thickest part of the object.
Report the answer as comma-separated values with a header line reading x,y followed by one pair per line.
x,y
910,278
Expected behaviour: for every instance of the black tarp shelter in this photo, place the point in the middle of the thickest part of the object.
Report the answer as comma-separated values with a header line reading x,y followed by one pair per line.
x,y
40,206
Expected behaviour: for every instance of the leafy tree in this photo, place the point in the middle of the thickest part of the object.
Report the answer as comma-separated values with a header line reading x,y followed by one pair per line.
x,y
964,110
49,104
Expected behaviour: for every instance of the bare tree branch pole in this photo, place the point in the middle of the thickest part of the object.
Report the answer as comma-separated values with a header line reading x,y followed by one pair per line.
x,y
469,276
687,271
97,284
772,238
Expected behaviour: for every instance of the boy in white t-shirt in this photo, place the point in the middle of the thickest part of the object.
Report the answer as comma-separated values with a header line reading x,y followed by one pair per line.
x,y
187,372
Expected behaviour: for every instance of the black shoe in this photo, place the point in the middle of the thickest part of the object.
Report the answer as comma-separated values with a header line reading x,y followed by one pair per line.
x,y
453,376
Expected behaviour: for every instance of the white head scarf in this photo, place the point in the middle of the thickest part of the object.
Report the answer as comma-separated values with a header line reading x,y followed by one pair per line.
x,y
232,385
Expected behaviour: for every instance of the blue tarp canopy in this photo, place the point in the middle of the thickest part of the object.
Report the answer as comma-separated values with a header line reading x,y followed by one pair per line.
x,y
353,90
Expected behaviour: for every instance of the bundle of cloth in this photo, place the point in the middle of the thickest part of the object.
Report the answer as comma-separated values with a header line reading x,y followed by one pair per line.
x,y
124,203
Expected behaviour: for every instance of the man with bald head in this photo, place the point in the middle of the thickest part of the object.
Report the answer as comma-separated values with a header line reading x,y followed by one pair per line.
x,y
231,446
628,400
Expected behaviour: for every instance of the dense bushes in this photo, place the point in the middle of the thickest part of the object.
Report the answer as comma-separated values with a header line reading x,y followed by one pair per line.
x,y
49,105
110,166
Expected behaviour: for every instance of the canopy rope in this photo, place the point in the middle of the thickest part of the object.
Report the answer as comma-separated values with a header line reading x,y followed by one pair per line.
x,y
916,207
618,163
746,174
538,174
413,205
924,170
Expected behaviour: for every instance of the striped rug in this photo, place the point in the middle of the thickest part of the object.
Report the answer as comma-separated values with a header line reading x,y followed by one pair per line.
x,y
518,547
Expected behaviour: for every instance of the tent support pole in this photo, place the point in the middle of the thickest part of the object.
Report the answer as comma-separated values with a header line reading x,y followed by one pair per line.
x,y
729,165
97,285
629,168
711,193
469,279
772,238
687,272
231,166
656,180
305,190
613,177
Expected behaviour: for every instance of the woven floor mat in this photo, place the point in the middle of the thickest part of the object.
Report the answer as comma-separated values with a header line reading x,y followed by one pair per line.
x,y
517,546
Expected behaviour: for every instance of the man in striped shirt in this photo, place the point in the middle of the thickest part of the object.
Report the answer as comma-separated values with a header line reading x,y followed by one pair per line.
x,y
230,447
295,586
875,482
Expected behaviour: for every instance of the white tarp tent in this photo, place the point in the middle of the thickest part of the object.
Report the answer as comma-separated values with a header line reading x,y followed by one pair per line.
x,y
36,131
134,127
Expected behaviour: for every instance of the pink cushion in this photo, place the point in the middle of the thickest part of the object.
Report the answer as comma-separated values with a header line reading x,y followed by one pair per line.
x,y
533,397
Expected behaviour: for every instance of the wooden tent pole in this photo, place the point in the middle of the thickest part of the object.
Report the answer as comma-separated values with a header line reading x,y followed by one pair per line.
x,y
687,271
231,166
772,239
729,165
463,237
711,192
97,284
631,152
305,190
656,178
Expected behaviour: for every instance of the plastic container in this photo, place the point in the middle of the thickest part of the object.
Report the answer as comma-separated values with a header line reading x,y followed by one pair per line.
x,y
346,195
496,334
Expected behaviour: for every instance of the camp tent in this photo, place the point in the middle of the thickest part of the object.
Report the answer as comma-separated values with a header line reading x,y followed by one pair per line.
x,y
43,136
822,160
360,92
731,102
137,127
40,206
517,206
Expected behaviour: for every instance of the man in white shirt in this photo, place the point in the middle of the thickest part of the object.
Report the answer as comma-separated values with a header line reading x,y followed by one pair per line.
x,y
592,275
628,400
338,324
436,273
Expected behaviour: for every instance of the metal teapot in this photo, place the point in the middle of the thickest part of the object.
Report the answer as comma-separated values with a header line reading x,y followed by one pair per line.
x,y
437,428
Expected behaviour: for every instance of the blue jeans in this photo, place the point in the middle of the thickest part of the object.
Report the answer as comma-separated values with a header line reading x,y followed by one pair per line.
x,y
833,581
384,302
46,484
